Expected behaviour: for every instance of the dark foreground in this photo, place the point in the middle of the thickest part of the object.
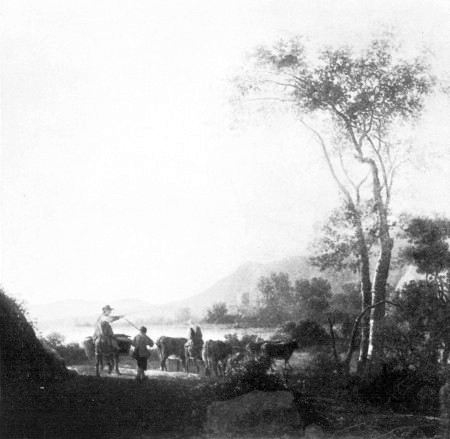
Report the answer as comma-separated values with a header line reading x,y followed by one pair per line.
x,y
166,405
90,407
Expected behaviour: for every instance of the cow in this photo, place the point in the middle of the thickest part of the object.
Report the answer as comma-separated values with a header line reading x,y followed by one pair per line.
x,y
254,347
279,350
193,348
171,347
215,355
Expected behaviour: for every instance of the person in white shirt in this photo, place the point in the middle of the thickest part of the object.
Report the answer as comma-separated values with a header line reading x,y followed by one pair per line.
x,y
103,327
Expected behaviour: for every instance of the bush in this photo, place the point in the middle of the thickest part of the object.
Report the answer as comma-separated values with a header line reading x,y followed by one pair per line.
x,y
319,377
234,340
71,353
308,332
405,390
249,375
218,314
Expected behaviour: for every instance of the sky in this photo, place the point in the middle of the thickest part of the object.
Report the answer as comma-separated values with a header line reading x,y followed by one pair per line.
x,y
123,174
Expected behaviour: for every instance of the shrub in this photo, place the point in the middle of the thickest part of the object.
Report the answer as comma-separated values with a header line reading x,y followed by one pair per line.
x,y
249,375
71,353
319,376
234,339
405,389
308,332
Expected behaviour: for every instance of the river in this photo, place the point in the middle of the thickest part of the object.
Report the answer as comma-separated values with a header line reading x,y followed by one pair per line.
x,y
77,334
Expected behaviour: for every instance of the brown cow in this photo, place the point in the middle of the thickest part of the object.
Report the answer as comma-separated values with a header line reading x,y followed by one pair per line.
x,y
215,355
280,350
171,347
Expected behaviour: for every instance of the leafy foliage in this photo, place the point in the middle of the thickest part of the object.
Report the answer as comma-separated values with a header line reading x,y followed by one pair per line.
x,y
234,340
428,247
71,353
218,314
308,333
283,301
404,390
312,297
248,375
367,90
356,106
417,328
338,247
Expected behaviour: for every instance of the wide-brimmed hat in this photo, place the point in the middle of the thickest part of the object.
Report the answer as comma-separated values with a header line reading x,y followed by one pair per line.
x,y
143,329
107,308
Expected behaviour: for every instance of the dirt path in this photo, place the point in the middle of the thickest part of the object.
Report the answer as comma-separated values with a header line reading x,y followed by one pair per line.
x,y
128,371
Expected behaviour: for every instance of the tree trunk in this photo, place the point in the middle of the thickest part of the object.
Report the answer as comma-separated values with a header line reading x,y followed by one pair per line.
x,y
366,296
379,293
377,314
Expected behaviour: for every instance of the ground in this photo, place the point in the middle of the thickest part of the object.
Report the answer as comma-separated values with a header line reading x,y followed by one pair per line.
x,y
166,405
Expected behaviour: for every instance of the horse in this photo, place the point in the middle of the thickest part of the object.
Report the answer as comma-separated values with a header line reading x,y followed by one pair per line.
x,y
103,350
193,348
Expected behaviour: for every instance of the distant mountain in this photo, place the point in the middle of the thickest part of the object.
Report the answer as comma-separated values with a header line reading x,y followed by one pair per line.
x,y
80,311
245,280
229,290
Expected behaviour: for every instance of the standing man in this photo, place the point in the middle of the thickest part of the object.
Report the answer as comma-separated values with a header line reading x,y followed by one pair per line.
x,y
103,327
141,353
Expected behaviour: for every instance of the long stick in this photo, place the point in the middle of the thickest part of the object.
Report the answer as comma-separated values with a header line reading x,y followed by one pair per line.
x,y
131,324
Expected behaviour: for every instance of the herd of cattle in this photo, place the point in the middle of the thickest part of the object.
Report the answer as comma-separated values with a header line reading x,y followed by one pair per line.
x,y
215,354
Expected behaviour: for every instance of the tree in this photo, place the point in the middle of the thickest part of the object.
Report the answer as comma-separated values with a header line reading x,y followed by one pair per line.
x,y
312,297
354,105
306,299
429,250
218,314
277,301
183,315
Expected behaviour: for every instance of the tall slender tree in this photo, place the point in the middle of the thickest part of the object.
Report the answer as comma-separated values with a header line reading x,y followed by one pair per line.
x,y
358,107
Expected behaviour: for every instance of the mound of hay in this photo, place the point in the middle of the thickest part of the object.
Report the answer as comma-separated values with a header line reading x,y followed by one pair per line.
x,y
23,357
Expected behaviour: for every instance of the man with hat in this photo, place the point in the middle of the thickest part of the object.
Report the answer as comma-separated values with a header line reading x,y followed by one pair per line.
x,y
141,353
103,327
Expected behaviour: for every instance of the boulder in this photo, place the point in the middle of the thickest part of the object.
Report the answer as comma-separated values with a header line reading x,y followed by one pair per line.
x,y
264,412
314,431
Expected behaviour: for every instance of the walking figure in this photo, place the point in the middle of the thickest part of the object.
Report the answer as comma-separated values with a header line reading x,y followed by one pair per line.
x,y
141,353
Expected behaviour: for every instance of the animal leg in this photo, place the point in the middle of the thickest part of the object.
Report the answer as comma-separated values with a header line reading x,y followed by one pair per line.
x,y
116,363
97,367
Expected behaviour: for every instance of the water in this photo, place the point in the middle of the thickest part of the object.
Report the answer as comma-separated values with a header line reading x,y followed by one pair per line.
x,y
77,334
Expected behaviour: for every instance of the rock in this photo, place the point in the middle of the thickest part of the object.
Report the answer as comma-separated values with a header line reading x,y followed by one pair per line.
x,y
314,431
266,412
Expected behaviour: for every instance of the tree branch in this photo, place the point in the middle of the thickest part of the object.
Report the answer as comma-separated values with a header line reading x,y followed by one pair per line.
x,y
329,163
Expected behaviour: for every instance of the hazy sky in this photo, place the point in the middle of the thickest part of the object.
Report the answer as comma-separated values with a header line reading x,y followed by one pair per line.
x,y
122,174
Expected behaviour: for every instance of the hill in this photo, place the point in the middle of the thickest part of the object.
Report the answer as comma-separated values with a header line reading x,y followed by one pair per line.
x,y
230,290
